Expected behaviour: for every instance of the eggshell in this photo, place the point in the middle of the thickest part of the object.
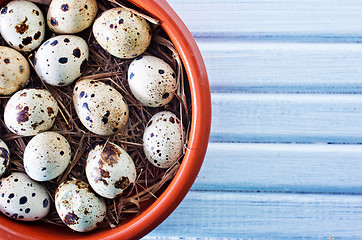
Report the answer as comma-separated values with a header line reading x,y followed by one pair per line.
x,y
46,156
22,25
152,81
100,107
22,198
71,16
110,170
163,139
14,71
4,157
122,33
61,59
78,207
30,111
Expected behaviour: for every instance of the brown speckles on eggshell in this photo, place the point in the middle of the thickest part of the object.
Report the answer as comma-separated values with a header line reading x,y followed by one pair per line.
x,y
110,155
36,12
122,183
23,115
22,24
107,108
70,218
22,27
122,165
127,40
78,206
26,41
30,111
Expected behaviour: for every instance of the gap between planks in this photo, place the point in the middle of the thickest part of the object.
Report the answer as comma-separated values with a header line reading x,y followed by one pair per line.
x,y
272,20
264,216
282,168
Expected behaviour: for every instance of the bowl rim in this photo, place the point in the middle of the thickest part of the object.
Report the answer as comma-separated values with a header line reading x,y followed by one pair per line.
x,y
159,210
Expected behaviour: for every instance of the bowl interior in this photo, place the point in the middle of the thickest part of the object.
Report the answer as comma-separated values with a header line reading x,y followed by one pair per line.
x,y
153,212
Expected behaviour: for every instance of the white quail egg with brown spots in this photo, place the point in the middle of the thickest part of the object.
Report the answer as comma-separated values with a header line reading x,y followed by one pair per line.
x,y
46,156
61,59
14,71
110,170
30,111
78,206
71,16
163,139
22,198
100,107
22,25
122,33
4,157
152,81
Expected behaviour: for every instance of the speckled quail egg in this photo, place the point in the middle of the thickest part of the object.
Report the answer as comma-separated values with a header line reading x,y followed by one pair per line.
x,y
163,139
71,16
14,71
46,156
152,81
109,169
100,107
22,198
30,111
61,59
22,25
4,157
122,33
78,207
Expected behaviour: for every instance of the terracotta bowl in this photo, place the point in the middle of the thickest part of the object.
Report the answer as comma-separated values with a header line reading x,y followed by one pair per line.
x,y
154,213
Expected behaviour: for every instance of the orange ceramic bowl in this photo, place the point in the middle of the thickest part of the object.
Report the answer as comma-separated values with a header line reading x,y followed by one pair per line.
x,y
153,214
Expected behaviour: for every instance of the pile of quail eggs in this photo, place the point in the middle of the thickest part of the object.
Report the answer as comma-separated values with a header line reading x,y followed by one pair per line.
x,y
30,112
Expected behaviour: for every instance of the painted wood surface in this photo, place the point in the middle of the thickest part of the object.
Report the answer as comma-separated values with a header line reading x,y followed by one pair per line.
x,y
283,67
237,215
265,117
282,20
296,168
285,154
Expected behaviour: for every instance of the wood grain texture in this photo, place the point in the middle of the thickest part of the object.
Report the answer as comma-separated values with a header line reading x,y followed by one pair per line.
x,y
283,67
277,20
312,118
237,215
294,168
284,159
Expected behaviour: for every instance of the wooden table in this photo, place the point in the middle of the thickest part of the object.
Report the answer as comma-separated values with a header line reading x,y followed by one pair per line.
x,y
284,159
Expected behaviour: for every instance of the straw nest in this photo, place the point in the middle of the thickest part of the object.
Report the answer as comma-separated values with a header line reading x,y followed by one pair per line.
x,y
113,71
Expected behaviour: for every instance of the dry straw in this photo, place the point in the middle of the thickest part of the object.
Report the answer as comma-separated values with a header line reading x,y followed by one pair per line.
x,y
113,71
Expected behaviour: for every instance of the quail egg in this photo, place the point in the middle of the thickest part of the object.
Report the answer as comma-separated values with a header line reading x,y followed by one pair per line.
x,y
122,33
163,139
4,157
109,169
71,16
152,81
30,111
22,25
78,207
22,198
61,59
46,156
14,71
100,107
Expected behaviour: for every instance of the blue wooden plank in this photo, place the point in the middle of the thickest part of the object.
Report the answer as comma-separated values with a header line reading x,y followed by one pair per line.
x,y
278,118
277,20
283,67
317,168
237,215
